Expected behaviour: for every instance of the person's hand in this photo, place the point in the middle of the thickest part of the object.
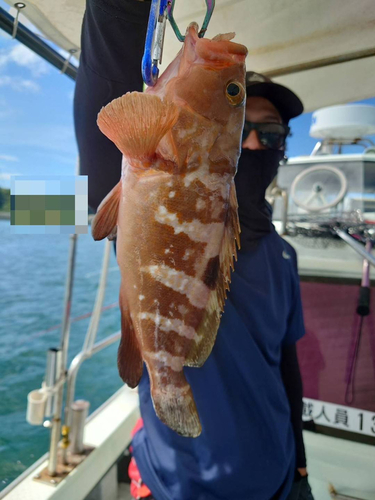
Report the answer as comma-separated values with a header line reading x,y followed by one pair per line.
x,y
303,472
301,489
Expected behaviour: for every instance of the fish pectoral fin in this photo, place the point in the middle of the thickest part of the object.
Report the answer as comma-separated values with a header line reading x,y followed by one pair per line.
x,y
207,330
129,358
136,123
105,221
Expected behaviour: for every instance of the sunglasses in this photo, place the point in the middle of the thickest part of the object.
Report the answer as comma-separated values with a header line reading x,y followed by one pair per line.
x,y
271,135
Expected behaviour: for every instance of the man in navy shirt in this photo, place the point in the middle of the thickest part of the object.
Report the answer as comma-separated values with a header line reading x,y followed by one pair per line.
x,y
249,391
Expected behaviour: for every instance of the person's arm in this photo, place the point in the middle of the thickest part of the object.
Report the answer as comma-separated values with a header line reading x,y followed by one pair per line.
x,y
112,44
289,366
291,376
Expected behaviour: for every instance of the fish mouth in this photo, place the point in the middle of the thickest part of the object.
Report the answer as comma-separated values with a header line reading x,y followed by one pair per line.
x,y
220,49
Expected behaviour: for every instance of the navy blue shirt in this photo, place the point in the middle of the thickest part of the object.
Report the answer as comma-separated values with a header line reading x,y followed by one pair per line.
x,y
246,449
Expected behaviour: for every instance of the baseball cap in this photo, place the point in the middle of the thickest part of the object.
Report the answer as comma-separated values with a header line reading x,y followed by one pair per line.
x,y
285,101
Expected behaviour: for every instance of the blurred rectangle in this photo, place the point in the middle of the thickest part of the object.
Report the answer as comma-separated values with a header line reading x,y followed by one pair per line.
x,y
49,205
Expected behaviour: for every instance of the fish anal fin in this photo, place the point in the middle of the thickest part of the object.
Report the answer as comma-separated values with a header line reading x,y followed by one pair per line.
x,y
136,122
105,221
129,359
208,327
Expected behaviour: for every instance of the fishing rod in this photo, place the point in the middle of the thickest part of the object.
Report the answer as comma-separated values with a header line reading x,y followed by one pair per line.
x,y
160,11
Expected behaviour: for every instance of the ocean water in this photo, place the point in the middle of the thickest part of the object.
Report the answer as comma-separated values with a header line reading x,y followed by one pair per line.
x,y
32,285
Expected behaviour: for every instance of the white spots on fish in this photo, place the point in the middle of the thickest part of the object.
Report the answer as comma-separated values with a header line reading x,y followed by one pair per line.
x,y
194,289
172,194
214,182
141,297
166,359
195,229
135,286
166,250
171,325
178,348
186,132
200,204
217,206
211,233
182,309
187,254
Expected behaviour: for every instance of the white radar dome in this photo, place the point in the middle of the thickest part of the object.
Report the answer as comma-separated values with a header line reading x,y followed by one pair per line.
x,y
343,122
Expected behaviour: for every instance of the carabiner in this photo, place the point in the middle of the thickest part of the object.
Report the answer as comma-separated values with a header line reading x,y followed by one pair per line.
x,y
210,4
154,41
160,11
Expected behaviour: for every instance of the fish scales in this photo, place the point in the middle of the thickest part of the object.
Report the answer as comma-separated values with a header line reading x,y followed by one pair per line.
x,y
175,210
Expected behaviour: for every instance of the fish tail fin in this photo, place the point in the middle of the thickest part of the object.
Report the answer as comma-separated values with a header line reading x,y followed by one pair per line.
x,y
175,407
136,123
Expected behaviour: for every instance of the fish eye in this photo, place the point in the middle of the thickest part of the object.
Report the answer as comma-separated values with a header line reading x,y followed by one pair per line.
x,y
235,93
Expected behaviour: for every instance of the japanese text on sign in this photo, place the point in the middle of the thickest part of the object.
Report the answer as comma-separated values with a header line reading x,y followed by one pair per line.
x,y
340,417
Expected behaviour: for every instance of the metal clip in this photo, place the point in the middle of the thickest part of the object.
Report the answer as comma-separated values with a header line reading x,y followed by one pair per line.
x,y
160,11
154,41
210,4
67,60
19,6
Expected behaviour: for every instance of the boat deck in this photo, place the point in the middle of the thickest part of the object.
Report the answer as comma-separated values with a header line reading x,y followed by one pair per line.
x,y
123,492
347,465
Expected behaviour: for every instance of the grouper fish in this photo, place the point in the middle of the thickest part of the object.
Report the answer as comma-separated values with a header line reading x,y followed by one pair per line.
x,y
175,213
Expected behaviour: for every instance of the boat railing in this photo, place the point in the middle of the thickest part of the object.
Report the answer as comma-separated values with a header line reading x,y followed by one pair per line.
x,y
49,400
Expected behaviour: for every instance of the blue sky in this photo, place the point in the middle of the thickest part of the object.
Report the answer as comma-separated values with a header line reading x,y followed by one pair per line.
x,y
36,116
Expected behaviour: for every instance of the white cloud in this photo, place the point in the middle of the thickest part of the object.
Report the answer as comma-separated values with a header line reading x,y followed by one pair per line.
x,y
8,158
19,84
59,139
24,57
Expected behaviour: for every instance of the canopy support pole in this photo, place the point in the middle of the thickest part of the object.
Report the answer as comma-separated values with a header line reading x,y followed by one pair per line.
x,y
34,43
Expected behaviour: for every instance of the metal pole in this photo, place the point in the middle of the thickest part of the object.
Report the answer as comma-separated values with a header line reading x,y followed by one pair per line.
x,y
33,42
88,346
75,366
97,312
355,245
65,331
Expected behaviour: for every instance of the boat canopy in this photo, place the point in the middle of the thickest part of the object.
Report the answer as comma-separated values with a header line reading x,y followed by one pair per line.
x,y
323,50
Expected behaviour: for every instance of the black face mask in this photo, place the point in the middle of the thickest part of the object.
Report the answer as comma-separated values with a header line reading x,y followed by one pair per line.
x,y
256,171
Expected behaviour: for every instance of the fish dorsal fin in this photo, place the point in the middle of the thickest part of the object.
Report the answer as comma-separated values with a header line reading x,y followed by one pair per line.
x,y
209,325
129,358
136,122
105,221
224,36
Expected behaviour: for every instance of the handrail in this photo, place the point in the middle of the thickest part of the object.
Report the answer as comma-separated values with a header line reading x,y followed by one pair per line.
x,y
97,311
75,366
89,348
